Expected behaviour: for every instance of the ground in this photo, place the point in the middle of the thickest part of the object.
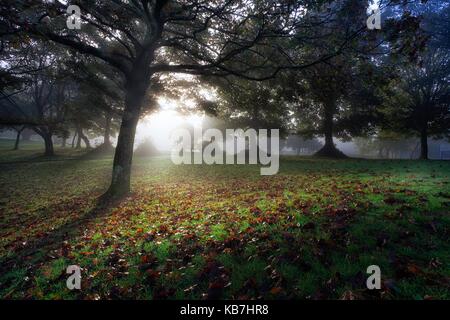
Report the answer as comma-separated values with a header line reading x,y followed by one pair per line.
x,y
224,231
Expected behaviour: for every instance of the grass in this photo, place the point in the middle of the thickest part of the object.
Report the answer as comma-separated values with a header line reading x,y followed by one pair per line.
x,y
201,231
33,151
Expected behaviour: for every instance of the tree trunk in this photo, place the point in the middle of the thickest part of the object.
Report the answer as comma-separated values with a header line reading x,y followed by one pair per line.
x,y
16,144
85,140
63,142
73,139
49,151
120,183
136,89
46,134
424,143
329,150
78,146
107,134
81,136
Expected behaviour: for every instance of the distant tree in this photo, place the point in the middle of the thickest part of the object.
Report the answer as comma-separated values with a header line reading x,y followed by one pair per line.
x,y
19,130
387,144
100,92
43,93
9,107
47,95
418,102
324,89
336,98
301,144
63,134
147,149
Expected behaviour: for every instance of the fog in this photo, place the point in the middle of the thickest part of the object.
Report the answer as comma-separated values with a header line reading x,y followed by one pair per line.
x,y
154,132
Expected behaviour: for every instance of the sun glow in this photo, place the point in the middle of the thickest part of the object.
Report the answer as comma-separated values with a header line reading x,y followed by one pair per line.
x,y
159,126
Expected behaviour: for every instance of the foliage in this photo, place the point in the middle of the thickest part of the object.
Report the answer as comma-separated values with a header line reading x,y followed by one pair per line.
x,y
419,99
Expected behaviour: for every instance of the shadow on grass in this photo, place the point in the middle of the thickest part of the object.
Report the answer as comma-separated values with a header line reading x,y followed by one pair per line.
x,y
54,239
100,152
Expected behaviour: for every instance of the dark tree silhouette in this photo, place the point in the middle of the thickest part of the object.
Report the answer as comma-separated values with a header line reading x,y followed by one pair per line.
x,y
418,101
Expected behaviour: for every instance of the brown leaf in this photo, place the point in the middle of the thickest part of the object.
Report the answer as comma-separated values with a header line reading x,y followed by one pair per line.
x,y
276,290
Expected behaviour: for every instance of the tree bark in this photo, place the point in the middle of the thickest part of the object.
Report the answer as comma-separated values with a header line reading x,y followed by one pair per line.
x,y
120,182
329,150
82,136
16,144
424,143
136,89
85,140
328,125
78,146
49,151
73,139
47,135
107,134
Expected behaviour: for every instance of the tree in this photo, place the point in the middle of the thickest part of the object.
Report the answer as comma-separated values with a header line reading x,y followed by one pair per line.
x,y
100,92
19,132
10,108
42,92
418,101
249,104
335,98
47,94
302,145
146,149
325,87
387,144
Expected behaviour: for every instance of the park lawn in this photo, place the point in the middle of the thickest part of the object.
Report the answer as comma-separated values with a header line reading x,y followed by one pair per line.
x,y
33,151
224,231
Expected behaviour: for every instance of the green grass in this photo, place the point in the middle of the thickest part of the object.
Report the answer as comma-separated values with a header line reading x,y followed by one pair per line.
x,y
224,231
33,151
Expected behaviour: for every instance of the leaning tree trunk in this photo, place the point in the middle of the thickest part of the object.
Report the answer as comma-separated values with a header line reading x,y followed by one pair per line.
x,y
73,139
82,136
16,144
85,140
78,146
329,149
46,134
424,143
